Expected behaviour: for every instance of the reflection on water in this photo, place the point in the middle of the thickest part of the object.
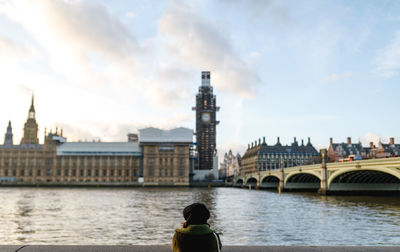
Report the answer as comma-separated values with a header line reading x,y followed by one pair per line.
x,y
24,209
149,216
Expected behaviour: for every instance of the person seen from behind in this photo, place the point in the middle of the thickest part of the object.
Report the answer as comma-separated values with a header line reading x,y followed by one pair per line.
x,y
196,234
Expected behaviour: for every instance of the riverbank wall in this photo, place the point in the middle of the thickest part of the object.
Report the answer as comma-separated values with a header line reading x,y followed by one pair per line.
x,y
166,248
119,184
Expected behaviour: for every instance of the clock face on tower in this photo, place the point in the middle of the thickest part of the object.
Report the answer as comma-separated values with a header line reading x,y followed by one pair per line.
x,y
205,117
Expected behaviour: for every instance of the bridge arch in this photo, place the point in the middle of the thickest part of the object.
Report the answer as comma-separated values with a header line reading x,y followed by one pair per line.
x,y
251,181
269,181
269,178
369,175
238,182
251,178
305,176
305,180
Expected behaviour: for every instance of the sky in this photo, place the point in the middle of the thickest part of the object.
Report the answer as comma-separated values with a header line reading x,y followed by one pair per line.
x,y
102,69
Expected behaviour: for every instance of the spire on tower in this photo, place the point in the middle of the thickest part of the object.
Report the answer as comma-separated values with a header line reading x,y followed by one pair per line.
x,y
8,139
31,127
32,109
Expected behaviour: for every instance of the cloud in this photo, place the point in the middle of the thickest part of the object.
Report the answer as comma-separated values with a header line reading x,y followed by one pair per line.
x,y
171,72
104,131
6,47
255,55
260,10
11,53
235,147
371,137
375,138
164,96
335,77
113,131
131,15
196,42
73,133
388,59
25,91
174,120
92,48
70,31
168,85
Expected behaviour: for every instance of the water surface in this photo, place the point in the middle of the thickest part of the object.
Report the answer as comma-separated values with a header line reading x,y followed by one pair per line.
x,y
96,216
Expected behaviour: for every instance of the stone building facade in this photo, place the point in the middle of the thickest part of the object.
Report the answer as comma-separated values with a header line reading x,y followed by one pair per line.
x,y
166,155
230,166
57,161
261,157
97,162
339,151
29,160
342,151
382,150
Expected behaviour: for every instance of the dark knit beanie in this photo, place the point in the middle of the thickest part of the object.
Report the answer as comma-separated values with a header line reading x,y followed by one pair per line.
x,y
196,214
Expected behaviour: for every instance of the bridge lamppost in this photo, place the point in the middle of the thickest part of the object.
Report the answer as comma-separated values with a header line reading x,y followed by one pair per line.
x,y
323,187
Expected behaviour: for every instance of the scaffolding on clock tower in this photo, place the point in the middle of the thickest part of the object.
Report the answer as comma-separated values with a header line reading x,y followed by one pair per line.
x,y
206,122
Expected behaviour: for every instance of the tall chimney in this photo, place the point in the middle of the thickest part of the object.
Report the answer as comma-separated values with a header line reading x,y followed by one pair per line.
x,y
302,142
391,140
331,141
349,140
263,139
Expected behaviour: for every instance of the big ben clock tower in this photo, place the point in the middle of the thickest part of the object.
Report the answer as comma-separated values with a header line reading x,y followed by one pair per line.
x,y
206,123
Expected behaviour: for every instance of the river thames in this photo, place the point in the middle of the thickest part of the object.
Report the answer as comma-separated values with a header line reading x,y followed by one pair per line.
x,y
148,216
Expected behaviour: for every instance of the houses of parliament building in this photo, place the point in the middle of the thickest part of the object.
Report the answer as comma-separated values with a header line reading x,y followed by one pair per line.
x,y
154,157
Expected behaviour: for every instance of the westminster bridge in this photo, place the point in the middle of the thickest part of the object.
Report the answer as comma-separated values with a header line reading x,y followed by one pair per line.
x,y
364,175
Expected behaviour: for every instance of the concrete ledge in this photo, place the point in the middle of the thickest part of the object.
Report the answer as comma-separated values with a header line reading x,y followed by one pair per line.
x,y
10,248
166,248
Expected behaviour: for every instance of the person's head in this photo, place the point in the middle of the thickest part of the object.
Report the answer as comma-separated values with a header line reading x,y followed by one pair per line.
x,y
196,214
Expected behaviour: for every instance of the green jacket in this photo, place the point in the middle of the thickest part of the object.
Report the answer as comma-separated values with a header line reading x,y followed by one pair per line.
x,y
195,238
